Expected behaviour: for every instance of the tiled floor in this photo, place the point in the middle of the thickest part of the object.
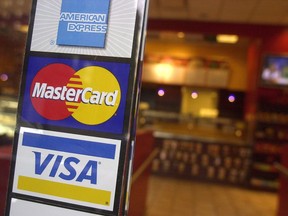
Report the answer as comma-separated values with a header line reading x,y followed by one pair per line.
x,y
174,197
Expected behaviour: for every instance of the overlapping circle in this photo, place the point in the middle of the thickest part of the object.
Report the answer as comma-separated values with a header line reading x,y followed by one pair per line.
x,y
91,95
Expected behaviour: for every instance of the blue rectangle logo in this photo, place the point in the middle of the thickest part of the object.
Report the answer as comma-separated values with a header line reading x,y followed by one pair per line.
x,y
83,23
68,145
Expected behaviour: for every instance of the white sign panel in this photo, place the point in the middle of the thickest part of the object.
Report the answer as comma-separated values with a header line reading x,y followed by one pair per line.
x,y
99,27
72,139
68,168
26,208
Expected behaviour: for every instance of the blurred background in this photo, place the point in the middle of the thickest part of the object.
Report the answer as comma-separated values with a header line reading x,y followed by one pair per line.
x,y
213,118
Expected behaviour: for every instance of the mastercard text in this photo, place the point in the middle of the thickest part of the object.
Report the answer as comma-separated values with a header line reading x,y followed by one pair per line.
x,y
87,95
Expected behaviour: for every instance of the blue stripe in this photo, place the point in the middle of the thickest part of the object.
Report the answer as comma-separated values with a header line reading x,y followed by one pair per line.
x,y
82,147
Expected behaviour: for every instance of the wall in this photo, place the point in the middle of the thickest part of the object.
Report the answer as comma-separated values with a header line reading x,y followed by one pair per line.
x,y
276,42
11,59
263,39
235,55
204,105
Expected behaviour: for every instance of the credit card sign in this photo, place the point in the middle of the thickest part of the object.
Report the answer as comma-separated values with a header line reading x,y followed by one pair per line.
x,y
67,168
83,26
36,209
90,95
77,107
98,27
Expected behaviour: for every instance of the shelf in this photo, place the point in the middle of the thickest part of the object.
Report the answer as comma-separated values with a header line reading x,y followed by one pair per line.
x,y
196,159
271,140
267,148
264,184
277,118
270,135
265,167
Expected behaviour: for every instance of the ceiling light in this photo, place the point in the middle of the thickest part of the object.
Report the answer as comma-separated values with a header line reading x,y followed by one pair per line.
x,y
22,28
180,35
222,38
161,92
4,77
194,95
231,98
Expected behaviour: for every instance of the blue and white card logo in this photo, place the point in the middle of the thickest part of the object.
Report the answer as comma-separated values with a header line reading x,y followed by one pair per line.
x,y
66,167
83,23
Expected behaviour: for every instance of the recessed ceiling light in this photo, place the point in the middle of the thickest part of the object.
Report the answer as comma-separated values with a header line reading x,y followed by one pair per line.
x,y
223,38
22,28
181,35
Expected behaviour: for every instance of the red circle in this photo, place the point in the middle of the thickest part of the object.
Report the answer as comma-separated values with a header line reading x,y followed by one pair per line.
x,y
48,78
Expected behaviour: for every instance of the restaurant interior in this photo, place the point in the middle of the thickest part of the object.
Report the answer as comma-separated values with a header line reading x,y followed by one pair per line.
x,y
212,127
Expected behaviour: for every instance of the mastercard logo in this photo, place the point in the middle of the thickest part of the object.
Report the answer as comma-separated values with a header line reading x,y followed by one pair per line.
x,y
91,95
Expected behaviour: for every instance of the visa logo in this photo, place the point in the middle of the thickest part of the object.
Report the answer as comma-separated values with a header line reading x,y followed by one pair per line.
x,y
74,160
70,165
66,167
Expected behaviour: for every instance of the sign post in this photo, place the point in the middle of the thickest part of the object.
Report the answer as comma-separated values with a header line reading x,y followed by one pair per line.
x,y
77,108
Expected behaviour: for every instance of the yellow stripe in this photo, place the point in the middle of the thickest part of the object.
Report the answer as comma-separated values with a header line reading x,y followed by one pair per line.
x,y
57,189
75,104
74,85
72,104
75,79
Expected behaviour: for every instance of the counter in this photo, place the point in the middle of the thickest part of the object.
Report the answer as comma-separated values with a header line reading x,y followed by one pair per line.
x,y
203,153
143,155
